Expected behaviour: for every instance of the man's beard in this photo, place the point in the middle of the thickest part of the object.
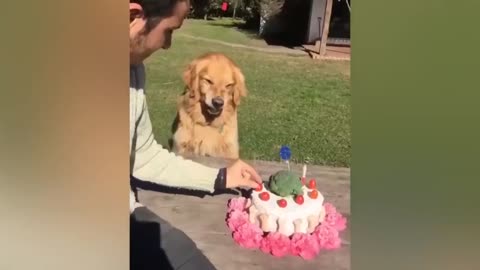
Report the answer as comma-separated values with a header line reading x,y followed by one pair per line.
x,y
138,50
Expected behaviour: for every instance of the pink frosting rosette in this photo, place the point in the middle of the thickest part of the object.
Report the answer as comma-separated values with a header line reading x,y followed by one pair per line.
x,y
305,245
327,237
334,218
237,219
276,244
237,204
248,236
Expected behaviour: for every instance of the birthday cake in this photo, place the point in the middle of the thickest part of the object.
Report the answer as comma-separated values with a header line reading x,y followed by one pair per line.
x,y
286,204
286,215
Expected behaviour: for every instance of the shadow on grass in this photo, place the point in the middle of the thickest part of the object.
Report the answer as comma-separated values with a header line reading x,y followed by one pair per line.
x,y
253,34
240,26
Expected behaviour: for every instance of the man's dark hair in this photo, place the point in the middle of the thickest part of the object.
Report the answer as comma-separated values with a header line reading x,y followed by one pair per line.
x,y
155,10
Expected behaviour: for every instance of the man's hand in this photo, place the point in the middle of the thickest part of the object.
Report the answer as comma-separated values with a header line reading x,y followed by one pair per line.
x,y
240,174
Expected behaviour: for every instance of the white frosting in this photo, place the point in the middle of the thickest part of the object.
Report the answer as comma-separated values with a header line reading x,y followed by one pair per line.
x,y
301,225
290,219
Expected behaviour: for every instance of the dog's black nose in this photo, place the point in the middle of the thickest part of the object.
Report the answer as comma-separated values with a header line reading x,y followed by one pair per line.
x,y
217,102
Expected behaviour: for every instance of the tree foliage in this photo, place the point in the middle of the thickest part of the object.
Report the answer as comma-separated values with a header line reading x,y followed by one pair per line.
x,y
270,8
250,10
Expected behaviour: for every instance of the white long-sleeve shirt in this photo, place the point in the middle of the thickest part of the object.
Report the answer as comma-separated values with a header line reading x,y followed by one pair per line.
x,y
149,161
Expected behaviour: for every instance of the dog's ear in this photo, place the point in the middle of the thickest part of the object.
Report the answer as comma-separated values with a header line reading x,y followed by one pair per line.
x,y
190,79
240,88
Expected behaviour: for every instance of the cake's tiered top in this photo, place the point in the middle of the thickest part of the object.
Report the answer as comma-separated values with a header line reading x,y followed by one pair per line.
x,y
287,204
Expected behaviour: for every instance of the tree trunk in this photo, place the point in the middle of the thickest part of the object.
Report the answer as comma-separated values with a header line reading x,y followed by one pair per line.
x,y
235,9
261,30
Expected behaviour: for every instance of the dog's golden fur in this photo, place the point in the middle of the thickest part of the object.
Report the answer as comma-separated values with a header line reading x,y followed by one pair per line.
x,y
199,131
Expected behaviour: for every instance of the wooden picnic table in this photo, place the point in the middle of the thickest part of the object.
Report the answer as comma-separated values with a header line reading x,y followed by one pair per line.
x,y
202,218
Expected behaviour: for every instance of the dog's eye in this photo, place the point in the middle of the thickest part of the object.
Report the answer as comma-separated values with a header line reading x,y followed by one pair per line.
x,y
208,81
229,85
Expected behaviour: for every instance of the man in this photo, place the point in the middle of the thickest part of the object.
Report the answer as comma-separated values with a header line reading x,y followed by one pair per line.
x,y
154,243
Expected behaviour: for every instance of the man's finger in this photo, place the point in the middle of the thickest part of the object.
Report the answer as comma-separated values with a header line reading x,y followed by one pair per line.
x,y
253,174
248,182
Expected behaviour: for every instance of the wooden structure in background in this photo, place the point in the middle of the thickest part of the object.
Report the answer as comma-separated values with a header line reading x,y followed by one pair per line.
x,y
321,45
318,44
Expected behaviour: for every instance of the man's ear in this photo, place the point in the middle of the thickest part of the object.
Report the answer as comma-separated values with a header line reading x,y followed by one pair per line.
x,y
136,12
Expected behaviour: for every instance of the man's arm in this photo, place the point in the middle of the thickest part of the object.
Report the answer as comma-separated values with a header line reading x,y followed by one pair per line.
x,y
155,164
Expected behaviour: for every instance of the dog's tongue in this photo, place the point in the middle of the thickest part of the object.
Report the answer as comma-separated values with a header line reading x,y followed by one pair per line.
x,y
214,111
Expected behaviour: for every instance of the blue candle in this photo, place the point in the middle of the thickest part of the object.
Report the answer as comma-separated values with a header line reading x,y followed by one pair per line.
x,y
285,155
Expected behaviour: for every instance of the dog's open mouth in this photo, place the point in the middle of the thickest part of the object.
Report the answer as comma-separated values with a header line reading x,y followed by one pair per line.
x,y
210,111
214,111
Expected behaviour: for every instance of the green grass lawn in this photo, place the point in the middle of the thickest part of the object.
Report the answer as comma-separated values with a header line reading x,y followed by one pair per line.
x,y
292,100
226,30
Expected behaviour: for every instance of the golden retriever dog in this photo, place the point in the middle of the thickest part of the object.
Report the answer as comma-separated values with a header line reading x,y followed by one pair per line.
x,y
206,122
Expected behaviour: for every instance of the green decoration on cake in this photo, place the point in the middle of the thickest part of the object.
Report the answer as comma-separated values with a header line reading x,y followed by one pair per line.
x,y
285,183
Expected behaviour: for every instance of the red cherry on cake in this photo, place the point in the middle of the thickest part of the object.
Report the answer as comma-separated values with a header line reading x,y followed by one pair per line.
x,y
313,194
259,188
264,196
299,199
312,184
282,203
